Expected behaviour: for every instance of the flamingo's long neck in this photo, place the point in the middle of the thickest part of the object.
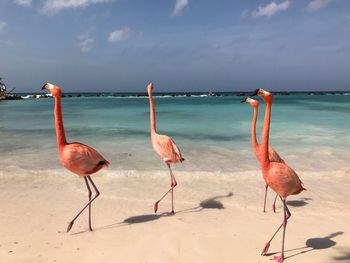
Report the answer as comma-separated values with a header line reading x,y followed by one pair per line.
x,y
152,114
254,140
265,135
61,137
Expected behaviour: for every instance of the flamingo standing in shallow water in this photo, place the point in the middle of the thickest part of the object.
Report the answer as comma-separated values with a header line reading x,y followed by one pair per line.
x,y
273,155
165,147
278,175
76,157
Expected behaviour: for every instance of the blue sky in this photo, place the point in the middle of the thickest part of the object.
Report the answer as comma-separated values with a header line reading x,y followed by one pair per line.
x,y
180,45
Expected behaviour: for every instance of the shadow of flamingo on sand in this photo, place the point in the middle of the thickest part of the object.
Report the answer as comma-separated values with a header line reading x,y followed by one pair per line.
x,y
314,244
210,203
298,203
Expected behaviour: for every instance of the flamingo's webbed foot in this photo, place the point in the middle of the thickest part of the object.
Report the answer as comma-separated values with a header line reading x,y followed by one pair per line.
x,y
70,226
265,249
156,207
278,259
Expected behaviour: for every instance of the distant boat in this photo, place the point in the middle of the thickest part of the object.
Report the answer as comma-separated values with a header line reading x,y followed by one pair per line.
x,y
2,88
5,95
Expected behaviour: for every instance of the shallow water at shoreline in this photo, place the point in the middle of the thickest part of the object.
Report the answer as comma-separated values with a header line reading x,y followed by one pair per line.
x,y
309,132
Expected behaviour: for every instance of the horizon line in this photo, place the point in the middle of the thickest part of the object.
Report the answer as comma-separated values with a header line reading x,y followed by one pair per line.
x,y
190,92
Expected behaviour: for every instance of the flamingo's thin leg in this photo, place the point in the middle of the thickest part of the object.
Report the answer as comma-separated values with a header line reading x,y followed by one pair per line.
x,y
89,194
266,186
274,204
173,183
96,195
287,215
280,258
156,203
284,226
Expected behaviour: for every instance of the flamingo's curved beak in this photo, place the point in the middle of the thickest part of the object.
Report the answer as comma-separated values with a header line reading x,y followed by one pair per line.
x,y
255,92
244,100
43,87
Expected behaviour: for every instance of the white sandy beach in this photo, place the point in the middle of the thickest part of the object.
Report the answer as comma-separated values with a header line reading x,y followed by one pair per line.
x,y
219,218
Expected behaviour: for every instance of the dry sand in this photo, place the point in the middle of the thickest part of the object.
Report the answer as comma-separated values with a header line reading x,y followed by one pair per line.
x,y
219,218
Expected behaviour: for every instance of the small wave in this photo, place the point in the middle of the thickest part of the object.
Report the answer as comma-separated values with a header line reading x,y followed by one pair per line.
x,y
199,96
36,96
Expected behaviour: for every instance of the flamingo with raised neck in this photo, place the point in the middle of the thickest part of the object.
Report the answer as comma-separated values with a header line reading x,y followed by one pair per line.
x,y
273,155
78,158
279,176
165,147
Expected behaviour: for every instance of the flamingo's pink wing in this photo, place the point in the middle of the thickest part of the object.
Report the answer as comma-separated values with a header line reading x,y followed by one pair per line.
x,y
283,179
177,151
162,145
82,159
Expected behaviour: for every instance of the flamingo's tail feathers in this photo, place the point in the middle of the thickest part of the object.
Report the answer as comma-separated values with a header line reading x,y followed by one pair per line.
x,y
300,189
104,163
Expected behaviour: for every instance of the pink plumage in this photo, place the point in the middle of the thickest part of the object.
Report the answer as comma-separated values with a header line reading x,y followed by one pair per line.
x,y
78,158
81,159
278,175
165,147
273,155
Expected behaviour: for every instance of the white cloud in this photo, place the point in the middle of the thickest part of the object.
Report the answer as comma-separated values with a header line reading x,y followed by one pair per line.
x,y
52,7
85,43
315,5
179,6
271,9
2,25
23,2
120,35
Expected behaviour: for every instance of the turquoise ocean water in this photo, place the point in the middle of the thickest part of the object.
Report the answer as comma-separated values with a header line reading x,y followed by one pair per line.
x,y
309,132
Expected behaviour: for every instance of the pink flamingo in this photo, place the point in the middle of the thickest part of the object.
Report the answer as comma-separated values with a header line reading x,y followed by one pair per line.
x,y
76,157
165,147
273,155
278,175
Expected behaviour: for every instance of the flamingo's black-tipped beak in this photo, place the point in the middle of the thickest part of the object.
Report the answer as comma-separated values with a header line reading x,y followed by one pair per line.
x,y
43,87
254,93
244,100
